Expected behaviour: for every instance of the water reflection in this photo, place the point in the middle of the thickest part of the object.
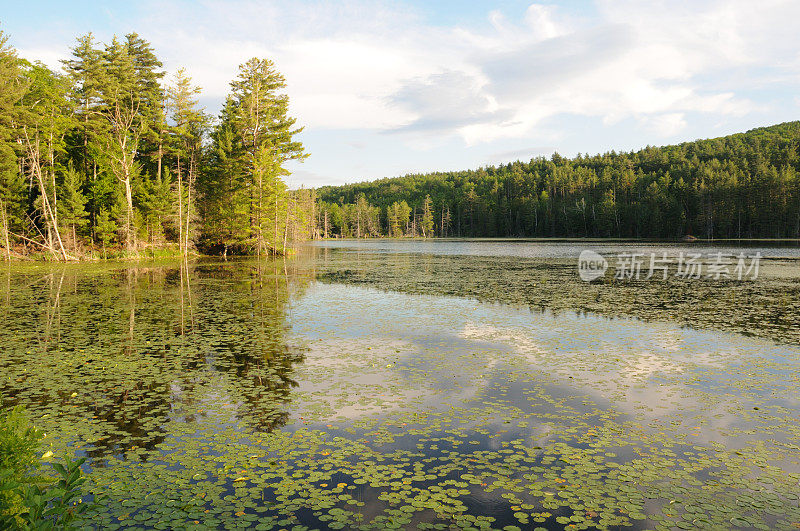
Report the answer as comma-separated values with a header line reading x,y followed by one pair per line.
x,y
768,307
433,352
549,248
400,390
127,350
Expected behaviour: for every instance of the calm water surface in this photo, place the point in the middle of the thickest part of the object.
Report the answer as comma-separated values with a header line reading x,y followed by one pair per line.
x,y
424,385
532,248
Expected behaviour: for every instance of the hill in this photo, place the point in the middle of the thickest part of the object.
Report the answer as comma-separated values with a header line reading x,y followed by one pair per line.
x,y
745,185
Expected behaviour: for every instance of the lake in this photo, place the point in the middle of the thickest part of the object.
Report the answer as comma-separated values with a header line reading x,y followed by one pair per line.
x,y
396,384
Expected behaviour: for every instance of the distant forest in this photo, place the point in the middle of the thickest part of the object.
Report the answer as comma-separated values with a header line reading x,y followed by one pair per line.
x,y
744,185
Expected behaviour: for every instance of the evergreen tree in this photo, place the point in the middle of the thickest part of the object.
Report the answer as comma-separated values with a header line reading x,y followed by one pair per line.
x,y
106,228
739,186
427,217
252,141
123,103
224,186
71,207
261,118
148,74
155,201
186,147
85,69
393,216
12,89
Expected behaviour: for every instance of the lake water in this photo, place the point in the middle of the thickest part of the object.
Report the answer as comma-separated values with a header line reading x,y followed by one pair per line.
x,y
548,248
416,384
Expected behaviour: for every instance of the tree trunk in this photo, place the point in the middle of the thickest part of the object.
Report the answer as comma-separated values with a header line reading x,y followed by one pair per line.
x,y
5,231
275,235
188,203
285,230
160,153
129,236
259,224
180,206
34,155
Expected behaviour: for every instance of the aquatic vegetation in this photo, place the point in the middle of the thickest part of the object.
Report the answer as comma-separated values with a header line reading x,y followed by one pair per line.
x,y
765,308
384,391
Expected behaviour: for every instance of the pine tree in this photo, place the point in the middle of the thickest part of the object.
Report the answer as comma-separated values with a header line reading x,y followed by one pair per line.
x,y
262,111
361,214
225,210
404,216
189,124
393,218
106,228
148,74
155,202
252,141
71,207
12,88
85,69
427,217
12,195
122,105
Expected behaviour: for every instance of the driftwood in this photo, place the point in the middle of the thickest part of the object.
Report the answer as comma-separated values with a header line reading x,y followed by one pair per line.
x,y
43,246
20,256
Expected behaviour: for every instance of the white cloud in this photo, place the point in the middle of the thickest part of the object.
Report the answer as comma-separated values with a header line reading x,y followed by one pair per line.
x,y
665,125
47,55
378,66
381,67
344,83
542,21
446,101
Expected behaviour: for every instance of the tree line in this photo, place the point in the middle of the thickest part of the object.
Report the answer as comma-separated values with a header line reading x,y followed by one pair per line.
x,y
110,154
745,185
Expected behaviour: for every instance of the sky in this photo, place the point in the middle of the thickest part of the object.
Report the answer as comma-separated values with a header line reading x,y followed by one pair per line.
x,y
386,88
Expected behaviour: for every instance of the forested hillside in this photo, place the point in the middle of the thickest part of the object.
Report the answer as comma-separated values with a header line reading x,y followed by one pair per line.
x,y
111,154
740,186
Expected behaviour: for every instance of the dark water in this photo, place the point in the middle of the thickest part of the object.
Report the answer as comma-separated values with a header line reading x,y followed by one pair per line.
x,y
381,388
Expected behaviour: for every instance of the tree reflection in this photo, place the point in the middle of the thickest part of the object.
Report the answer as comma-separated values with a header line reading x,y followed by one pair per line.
x,y
123,353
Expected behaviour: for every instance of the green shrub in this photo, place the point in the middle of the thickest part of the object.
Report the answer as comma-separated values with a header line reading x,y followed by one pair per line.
x,y
19,442
29,501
